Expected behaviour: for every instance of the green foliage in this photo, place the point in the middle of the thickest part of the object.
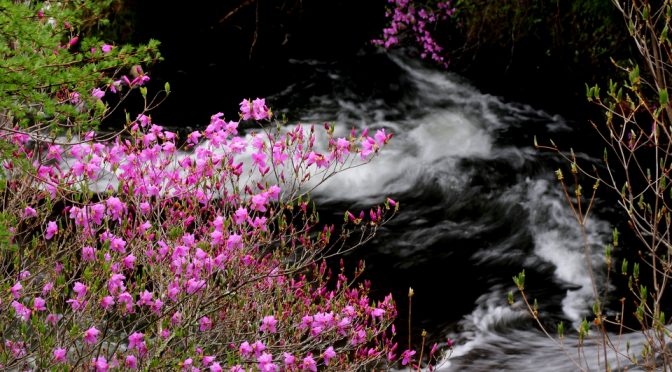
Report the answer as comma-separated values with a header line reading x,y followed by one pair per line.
x,y
51,60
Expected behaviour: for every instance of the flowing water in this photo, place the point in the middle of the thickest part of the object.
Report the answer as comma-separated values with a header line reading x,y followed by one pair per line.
x,y
478,205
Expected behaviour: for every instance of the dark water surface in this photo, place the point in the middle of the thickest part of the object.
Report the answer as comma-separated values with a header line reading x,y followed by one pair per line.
x,y
479,204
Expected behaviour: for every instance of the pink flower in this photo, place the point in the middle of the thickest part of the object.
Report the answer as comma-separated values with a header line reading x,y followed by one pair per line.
x,y
289,359
136,340
76,304
381,137
100,364
245,349
145,298
131,362
377,313
246,110
116,283
205,324
106,48
268,324
55,151
407,357
258,347
329,354
144,208
260,110
16,290
240,216
47,288
129,261
265,363
80,289
216,237
20,310
88,254
107,302
207,360
118,245
234,241
259,202
53,318
97,93
38,304
115,208
187,364
52,229
309,364
29,212
194,285
59,355
91,336
215,367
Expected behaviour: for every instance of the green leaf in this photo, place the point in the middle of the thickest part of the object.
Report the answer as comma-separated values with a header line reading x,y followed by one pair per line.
x,y
633,75
663,98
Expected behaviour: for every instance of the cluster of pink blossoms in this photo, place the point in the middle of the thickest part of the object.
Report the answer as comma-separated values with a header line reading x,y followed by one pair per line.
x,y
416,18
201,258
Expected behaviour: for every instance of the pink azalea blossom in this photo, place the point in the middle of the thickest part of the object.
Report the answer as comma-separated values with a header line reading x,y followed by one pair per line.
x,y
245,349
88,254
53,318
47,288
129,261
131,362
265,363
91,335
52,229
59,355
100,364
21,311
258,348
309,364
268,324
207,360
194,285
205,324
234,241
289,359
16,290
107,302
377,313
80,289
246,110
136,340
407,357
260,110
240,215
29,212
329,354
39,304
98,93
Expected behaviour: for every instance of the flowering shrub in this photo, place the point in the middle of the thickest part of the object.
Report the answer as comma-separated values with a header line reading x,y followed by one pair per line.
x,y
144,253
416,19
